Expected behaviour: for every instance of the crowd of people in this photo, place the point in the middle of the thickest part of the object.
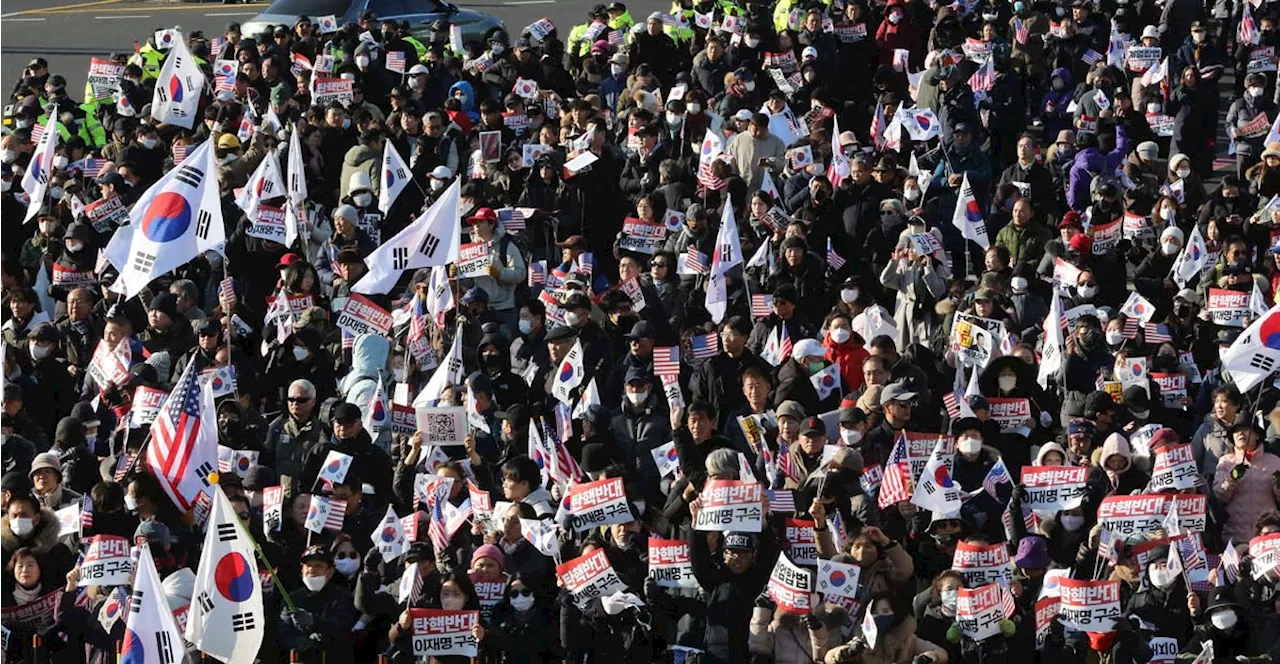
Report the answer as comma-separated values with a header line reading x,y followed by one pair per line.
x,y
917,284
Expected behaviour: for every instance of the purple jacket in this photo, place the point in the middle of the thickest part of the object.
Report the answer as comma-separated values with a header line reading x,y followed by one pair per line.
x,y
1090,163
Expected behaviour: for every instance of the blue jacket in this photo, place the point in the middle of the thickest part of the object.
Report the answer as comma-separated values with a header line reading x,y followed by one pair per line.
x,y
1090,163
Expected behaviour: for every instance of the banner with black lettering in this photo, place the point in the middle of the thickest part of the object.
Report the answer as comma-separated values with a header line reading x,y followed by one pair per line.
x,y
439,632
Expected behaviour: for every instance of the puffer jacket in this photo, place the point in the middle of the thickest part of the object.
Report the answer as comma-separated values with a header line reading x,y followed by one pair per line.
x,y
1249,497
897,646
784,638
1103,482
360,159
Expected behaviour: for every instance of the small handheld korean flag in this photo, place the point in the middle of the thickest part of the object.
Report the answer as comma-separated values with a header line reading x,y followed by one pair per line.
x,y
826,381
1170,524
327,24
869,631
151,633
177,93
395,177
226,618
968,216
935,490
35,182
389,536
569,375
335,467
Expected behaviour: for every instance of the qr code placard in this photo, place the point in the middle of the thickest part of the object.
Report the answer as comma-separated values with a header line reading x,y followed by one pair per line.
x,y
443,426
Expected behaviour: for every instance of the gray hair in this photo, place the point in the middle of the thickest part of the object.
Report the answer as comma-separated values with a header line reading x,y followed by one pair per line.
x,y
722,463
307,387
185,288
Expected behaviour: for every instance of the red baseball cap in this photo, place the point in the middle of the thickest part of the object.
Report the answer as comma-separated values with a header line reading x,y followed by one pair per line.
x,y
483,214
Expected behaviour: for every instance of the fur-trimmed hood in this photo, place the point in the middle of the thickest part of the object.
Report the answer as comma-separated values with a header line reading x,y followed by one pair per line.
x,y
42,539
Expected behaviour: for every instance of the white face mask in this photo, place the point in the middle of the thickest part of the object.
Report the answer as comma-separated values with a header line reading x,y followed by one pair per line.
x,y
363,200
1153,108
617,70
300,353
849,295
522,602
1183,172
1169,248
347,566
56,192
840,335
1140,414
74,245
751,86
1167,214
40,351
694,107
572,319
452,602
1162,577
60,162
6,185
969,445
437,185
911,194
9,156
314,583
149,143
497,49
751,43
675,119
1255,92
130,503
362,61
637,398
1019,284
1224,620
895,18
1115,337
526,326
1072,522
850,436
949,598
413,83
21,526
1086,291
1007,383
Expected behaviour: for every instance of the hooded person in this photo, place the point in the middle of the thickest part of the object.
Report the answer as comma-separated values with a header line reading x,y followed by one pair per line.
x,y
1163,605
368,363
1225,623
79,466
1113,472
896,639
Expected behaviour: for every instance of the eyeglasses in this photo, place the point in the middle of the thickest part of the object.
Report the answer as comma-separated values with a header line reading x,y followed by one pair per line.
x,y
658,264
517,592
298,399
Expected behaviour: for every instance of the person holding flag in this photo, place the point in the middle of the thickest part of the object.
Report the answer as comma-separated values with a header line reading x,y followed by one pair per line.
x,y
319,615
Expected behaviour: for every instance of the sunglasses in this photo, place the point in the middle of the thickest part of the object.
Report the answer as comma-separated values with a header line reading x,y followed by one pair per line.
x,y
298,399
518,592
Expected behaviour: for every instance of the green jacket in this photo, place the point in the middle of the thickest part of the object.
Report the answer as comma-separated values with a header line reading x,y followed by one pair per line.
x,y
1025,245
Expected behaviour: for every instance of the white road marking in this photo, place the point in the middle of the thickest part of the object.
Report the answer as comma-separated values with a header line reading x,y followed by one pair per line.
x,y
521,3
114,18
25,20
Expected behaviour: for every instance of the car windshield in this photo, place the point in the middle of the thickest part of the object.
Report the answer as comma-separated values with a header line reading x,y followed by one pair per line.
x,y
311,8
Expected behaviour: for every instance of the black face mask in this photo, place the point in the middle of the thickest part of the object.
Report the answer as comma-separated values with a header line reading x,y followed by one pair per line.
x,y
625,323
491,361
230,429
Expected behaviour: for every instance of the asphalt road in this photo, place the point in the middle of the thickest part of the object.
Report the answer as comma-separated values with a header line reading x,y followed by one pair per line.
x,y
67,34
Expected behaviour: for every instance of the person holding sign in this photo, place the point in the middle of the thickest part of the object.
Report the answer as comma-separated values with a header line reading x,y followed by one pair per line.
x,y
888,636
1165,601
322,612
1247,481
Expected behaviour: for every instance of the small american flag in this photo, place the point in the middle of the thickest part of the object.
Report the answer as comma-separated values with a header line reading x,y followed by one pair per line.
x,y
89,166
893,488
952,403
1230,561
666,360
999,474
123,466
760,305
705,346
86,513
1107,544
395,61
784,343
615,38
1007,605
227,289
696,261
781,500
37,132
877,130
1131,327
348,339
537,273
512,219
337,514
784,462
1158,333
1021,32
1091,56
834,261
180,153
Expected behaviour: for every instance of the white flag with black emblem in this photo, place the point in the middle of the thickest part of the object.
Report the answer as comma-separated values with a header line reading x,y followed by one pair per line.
x,y
432,239
226,620
151,633
395,177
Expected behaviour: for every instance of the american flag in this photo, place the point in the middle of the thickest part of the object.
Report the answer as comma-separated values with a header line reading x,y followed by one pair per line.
x,y
585,264
180,153
1158,333
1248,32
834,261
1131,327
784,343
952,403
1107,544
1007,605
89,166
174,436
86,513
760,305
985,78
615,38
348,339
877,128
567,469
696,261
336,515
784,461
1230,562
300,63
215,45
437,496
37,132
537,273
705,346
781,500
666,360
1021,32
395,61
512,219
227,288
893,488
999,474
123,465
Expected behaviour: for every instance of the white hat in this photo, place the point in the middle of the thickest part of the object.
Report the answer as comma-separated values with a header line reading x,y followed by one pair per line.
x,y
1172,233
417,69
806,348
346,212
359,180
808,52
1151,31
744,115
442,173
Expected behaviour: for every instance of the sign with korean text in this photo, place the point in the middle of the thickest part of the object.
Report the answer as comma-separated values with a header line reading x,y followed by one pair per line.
x,y
1142,58
669,563
1175,468
1089,606
1173,388
107,214
802,542
1106,236
106,562
474,260
1011,414
104,77
642,236
1054,488
982,564
729,505
1265,552
978,611
920,447
146,405
438,632
598,503
589,577
325,91
269,225
36,614
1127,515
789,586
1046,610
362,316
1227,307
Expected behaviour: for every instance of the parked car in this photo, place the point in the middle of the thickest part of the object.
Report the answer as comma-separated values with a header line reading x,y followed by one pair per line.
x,y
420,14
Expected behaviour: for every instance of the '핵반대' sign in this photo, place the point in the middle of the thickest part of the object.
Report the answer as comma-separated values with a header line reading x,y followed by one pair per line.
x,y
729,505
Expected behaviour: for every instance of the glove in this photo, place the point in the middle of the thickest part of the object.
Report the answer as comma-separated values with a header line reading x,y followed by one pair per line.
x,y
316,637
1238,472
813,622
922,659
302,619
764,601
954,634
1007,627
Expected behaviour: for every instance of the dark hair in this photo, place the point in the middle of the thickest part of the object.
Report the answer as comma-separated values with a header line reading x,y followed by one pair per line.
x,y
884,343
1230,393
523,469
145,485
459,577
107,496
738,323
703,408
754,371
27,498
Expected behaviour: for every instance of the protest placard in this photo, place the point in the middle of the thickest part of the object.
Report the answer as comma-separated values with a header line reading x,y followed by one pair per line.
x,y
104,77
1089,606
439,632
1106,236
107,214
1173,388
599,503
669,564
146,405
362,316
978,611
642,236
473,260
106,562
789,586
1127,515
1264,550
445,425
1012,414
1227,307
589,577
1054,488
1175,468
729,505
1046,611
325,91
802,541
982,564
269,225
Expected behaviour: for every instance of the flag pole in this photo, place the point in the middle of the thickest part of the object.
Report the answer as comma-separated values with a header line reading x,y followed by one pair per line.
x,y
261,554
